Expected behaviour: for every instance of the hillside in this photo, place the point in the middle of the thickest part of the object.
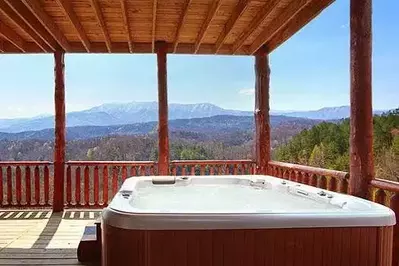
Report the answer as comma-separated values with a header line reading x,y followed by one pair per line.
x,y
326,113
218,137
210,126
326,145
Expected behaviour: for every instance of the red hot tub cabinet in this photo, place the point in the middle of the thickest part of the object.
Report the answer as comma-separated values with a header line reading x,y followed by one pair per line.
x,y
246,220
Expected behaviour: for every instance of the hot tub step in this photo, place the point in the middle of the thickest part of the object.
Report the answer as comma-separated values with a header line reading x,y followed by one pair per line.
x,y
89,249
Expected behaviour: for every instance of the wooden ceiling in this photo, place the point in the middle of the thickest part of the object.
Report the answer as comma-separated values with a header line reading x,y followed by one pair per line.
x,y
134,26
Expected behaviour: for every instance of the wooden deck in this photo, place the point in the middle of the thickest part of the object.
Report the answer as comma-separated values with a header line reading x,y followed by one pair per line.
x,y
40,237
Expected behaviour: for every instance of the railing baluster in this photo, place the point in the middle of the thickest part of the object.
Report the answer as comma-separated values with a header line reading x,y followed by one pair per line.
x,y
105,184
202,170
68,185
1,187
133,171
292,176
174,170
192,170
96,185
235,169
124,173
299,177
77,186
9,185
313,180
142,171
343,186
28,186
86,190
152,170
322,182
211,170
332,184
380,196
114,180
18,186
37,186
46,185
183,170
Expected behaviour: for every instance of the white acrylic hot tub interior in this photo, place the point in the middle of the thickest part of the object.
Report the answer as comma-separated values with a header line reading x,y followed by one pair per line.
x,y
207,197
237,202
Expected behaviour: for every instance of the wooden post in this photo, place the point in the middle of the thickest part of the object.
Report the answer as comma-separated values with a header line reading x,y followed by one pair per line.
x,y
59,143
262,121
163,134
361,117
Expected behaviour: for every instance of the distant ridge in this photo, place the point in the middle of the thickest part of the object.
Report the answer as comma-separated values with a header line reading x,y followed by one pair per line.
x,y
140,112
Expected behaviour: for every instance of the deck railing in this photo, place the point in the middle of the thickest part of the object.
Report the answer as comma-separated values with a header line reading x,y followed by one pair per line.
x,y
26,184
387,193
318,177
94,183
212,167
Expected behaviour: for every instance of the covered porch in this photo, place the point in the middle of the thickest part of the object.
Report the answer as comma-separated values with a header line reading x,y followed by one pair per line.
x,y
246,28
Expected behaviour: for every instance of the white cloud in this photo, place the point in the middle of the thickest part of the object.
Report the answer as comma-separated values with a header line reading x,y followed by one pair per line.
x,y
247,92
345,26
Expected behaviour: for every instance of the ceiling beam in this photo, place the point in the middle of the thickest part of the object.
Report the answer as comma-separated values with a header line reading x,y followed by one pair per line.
x,y
154,23
127,25
48,23
235,16
211,14
283,18
8,34
30,20
68,11
21,24
181,23
302,18
101,22
255,23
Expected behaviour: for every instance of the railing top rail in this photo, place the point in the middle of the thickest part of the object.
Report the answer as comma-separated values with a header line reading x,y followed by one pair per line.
x,y
24,163
312,170
385,184
118,163
209,162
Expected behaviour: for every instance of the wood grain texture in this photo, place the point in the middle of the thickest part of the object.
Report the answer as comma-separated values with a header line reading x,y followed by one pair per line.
x,y
163,132
101,22
228,26
35,7
299,247
361,114
70,13
59,133
262,107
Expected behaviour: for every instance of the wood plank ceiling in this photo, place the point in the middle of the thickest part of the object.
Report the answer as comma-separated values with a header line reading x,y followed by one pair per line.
x,y
230,27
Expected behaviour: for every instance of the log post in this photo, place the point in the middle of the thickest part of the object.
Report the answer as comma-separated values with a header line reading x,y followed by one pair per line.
x,y
262,121
59,143
163,134
361,117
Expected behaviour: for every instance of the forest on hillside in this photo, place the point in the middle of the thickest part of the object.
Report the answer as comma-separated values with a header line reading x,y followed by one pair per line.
x,y
326,145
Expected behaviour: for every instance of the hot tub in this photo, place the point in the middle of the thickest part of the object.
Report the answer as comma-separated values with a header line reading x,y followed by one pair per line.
x,y
241,220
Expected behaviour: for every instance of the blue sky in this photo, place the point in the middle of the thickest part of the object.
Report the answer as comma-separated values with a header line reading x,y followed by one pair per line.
x,y
309,71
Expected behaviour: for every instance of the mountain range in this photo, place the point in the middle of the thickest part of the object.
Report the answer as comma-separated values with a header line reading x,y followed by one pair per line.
x,y
113,114
206,127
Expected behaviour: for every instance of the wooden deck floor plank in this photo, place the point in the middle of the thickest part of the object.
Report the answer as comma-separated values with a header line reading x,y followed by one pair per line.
x,y
32,237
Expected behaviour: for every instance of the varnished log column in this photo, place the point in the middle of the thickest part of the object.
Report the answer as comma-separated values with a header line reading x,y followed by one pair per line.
x,y
163,134
262,121
361,117
59,143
